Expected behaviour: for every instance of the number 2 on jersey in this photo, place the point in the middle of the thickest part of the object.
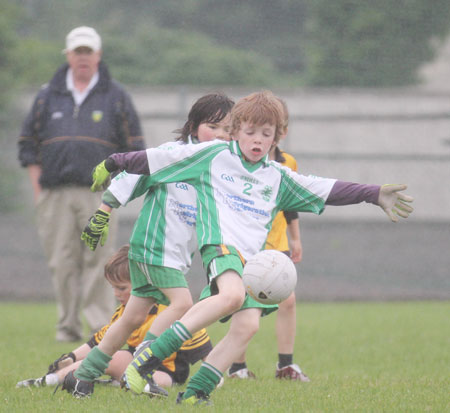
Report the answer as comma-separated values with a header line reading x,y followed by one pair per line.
x,y
247,189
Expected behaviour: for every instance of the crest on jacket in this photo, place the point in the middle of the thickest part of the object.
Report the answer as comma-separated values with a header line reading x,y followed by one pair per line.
x,y
97,115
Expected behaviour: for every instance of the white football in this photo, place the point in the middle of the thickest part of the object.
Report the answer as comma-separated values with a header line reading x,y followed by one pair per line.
x,y
269,277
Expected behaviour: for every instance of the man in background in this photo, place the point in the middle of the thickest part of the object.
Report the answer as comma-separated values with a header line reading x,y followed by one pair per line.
x,y
78,119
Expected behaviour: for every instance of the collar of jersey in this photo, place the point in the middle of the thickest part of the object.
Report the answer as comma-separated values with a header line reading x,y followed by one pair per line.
x,y
234,148
193,139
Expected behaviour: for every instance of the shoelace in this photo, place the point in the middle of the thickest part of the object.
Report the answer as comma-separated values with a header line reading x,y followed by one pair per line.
x,y
56,388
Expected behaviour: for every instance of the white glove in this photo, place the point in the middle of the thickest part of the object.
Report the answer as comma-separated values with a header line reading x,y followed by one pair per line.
x,y
392,201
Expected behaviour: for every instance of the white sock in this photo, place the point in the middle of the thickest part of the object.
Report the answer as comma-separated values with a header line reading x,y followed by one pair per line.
x,y
51,379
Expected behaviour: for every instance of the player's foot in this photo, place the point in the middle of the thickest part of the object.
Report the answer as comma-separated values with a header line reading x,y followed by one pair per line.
x,y
40,382
153,390
139,371
291,372
76,387
198,398
244,373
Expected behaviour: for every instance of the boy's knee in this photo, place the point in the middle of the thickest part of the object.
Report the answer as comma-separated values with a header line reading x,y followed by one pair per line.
x,y
246,327
135,320
181,302
234,300
187,302
231,291
250,328
289,303
182,306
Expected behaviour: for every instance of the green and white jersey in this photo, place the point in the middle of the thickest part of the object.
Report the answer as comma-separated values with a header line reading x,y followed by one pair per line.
x,y
164,233
236,200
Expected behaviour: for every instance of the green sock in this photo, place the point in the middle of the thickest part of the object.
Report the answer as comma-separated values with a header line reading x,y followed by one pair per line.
x,y
170,341
150,336
205,380
93,366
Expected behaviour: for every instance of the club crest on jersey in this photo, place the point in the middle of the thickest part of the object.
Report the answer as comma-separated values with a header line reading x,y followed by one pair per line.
x,y
97,115
267,193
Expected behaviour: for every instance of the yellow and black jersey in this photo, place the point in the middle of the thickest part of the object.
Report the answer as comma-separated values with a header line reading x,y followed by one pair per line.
x,y
137,336
277,238
177,364
193,350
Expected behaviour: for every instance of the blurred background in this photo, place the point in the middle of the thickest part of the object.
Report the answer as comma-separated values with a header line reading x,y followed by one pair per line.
x,y
367,83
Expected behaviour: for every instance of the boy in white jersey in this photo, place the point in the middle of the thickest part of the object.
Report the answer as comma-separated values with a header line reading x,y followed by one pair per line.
x,y
285,222
239,191
161,245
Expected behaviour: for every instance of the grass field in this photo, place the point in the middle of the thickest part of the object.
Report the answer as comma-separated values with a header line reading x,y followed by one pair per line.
x,y
361,357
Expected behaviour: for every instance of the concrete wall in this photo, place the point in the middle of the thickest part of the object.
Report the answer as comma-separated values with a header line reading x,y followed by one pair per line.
x,y
392,136
351,252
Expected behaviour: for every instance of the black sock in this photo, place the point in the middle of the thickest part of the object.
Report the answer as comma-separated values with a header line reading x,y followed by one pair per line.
x,y
237,366
284,360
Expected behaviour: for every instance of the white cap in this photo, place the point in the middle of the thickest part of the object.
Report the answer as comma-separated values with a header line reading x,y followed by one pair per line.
x,y
83,36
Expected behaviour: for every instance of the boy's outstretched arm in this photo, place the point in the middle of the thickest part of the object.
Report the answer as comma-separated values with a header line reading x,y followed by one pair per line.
x,y
132,162
67,359
62,362
389,197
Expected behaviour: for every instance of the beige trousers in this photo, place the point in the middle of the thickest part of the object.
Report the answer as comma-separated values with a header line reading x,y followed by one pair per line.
x,y
77,272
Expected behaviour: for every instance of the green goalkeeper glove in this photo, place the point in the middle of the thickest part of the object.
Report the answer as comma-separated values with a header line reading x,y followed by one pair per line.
x,y
96,230
393,202
100,177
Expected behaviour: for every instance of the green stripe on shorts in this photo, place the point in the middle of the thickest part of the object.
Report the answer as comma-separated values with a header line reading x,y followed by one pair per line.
x,y
148,280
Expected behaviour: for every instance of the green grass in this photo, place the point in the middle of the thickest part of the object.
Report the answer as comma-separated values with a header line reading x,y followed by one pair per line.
x,y
361,357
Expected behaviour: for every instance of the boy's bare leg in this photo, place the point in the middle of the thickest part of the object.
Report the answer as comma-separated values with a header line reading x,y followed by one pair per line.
x,y
244,324
229,299
118,364
98,359
286,325
115,369
133,316
286,329
180,303
63,372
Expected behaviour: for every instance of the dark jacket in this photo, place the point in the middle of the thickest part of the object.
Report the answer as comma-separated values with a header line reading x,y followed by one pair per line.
x,y
69,140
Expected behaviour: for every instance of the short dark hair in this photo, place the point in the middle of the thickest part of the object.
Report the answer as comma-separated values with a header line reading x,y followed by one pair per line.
x,y
211,108
117,269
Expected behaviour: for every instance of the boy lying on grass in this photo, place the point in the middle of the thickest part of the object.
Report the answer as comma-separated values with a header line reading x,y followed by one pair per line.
x,y
174,370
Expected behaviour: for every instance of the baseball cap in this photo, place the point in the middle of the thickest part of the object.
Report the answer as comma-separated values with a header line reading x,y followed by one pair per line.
x,y
83,36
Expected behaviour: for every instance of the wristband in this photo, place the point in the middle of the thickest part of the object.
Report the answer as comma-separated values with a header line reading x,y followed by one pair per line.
x,y
110,165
